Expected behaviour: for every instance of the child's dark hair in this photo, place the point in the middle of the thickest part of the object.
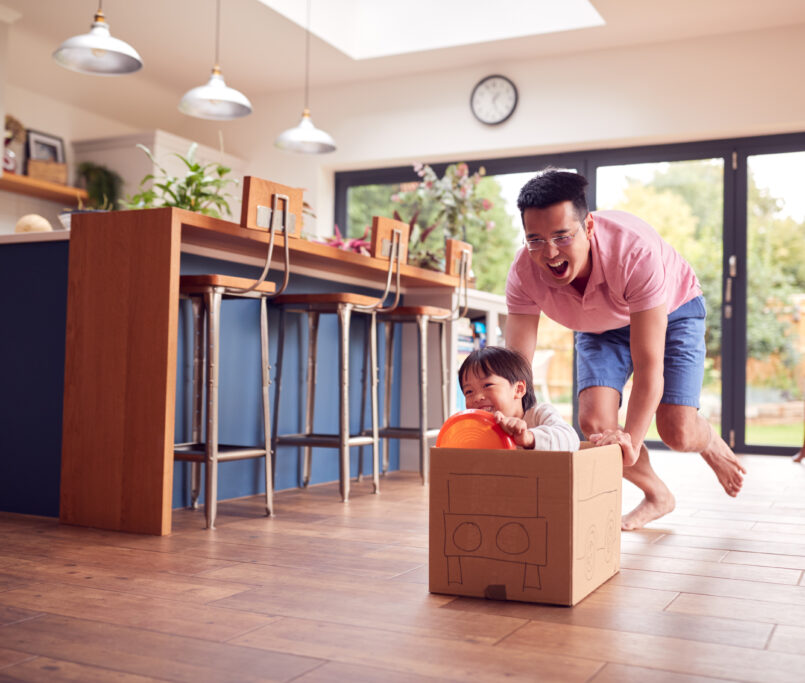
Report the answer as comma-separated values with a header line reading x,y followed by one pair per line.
x,y
506,363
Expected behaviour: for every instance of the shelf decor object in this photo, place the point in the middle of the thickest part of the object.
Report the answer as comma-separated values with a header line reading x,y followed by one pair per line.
x,y
215,100
305,137
97,53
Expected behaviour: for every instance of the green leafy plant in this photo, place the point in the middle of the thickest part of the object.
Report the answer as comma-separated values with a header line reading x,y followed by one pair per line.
x,y
102,185
440,209
202,189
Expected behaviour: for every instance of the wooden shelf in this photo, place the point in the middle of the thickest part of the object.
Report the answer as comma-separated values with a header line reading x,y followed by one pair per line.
x,y
42,189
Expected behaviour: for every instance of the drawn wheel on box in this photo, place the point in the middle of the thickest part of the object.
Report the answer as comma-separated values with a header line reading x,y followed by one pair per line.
x,y
589,553
609,537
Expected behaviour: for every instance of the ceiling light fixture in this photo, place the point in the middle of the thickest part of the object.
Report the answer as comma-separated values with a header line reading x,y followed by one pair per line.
x,y
97,53
305,137
215,100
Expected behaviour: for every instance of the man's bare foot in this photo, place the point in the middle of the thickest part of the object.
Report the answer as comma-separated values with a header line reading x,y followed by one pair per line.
x,y
800,456
648,510
725,464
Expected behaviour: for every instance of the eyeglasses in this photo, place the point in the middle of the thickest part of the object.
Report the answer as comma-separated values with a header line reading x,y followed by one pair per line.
x,y
537,244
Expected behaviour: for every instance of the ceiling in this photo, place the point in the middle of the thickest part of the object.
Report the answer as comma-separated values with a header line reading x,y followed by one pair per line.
x,y
262,52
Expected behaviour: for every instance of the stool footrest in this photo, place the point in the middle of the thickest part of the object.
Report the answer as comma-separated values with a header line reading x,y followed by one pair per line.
x,y
406,432
195,452
323,440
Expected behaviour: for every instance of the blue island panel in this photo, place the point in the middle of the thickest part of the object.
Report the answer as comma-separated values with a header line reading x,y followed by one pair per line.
x,y
33,301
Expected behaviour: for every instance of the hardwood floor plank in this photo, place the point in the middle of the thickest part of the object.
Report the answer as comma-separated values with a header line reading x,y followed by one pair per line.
x,y
167,616
765,559
416,655
336,672
615,616
675,551
11,657
657,652
685,583
711,569
192,589
9,615
620,673
788,639
751,546
757,611
46,670
151,654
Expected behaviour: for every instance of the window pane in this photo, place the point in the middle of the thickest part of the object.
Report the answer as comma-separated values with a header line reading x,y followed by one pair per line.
x,y
683,201
775,364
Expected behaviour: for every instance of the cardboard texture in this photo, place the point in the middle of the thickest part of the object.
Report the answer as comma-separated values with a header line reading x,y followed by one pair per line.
x,y
533,526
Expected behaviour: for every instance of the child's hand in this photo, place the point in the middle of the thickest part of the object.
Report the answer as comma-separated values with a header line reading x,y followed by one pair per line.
x,y
516,428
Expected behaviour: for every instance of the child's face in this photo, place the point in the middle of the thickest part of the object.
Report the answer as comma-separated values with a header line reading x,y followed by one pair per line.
x,y
493,392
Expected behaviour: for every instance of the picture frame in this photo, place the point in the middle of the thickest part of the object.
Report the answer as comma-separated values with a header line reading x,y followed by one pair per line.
x,y
44,147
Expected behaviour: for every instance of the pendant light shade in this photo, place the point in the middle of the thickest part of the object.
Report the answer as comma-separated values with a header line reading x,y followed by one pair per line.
x,y
215,100
305,138
97,53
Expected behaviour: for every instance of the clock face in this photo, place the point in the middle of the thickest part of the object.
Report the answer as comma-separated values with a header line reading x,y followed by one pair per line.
x,y
493,100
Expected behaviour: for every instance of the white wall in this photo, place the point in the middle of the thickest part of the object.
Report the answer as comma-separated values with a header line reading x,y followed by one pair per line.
x,y
723,86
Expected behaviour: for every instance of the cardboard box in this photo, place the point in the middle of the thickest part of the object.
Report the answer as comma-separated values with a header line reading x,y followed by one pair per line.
x,y
534,526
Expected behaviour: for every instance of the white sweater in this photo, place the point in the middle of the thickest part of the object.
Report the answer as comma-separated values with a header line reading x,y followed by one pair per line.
x,y
551,432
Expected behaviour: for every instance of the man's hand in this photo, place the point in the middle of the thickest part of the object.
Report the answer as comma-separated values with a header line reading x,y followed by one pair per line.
x,y
516,428
622,439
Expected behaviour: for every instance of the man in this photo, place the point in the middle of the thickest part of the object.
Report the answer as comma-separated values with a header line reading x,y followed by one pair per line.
x,y
637,307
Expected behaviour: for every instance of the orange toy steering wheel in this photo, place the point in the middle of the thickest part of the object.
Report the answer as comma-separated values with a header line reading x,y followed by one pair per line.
x,y
473,429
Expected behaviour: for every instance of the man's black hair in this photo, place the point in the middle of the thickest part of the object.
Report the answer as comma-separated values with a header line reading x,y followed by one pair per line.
x,y
503,362
553,186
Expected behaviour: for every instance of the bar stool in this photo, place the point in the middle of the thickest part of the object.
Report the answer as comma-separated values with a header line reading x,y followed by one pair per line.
x,y
458,261
389,241
206,292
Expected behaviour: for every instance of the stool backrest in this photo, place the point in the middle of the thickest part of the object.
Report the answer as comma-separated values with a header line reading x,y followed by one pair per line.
x,y
272,207
458,259
390,241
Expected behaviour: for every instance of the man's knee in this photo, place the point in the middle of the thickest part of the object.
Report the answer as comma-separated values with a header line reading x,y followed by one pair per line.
x,y
598,410
678,429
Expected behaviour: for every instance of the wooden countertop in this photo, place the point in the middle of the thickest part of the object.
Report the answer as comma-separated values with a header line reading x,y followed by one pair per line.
x,y
215,235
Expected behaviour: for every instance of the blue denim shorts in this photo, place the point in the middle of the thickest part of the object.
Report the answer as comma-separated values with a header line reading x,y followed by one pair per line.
x,y
605,360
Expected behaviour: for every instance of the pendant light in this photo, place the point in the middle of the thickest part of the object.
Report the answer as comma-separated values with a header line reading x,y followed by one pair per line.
x,y
306,138
215,100
97,53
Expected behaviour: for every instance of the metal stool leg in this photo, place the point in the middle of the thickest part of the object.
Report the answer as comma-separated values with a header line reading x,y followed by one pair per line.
x,y
344,315
312,345
197,305
212,302
445,375
389,379
424,460
266,380
364,383
278,390
375,430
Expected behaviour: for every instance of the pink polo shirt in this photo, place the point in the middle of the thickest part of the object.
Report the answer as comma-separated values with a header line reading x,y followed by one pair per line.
x,y
634,270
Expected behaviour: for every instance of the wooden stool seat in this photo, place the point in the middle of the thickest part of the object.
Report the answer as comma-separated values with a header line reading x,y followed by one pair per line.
x,y
414,311
326,300
197,284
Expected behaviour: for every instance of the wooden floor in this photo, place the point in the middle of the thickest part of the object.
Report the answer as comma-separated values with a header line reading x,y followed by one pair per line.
x,y
333,592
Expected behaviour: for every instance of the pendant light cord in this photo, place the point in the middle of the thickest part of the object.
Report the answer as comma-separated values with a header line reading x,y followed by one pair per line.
x,y
307,54
217,32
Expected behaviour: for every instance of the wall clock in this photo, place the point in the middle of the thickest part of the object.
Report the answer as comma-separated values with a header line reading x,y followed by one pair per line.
x,y
493,99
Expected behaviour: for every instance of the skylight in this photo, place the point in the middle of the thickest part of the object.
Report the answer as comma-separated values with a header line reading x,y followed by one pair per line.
x,y
365,29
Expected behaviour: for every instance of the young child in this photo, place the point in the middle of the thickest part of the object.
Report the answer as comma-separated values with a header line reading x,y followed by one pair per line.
x,y
499,381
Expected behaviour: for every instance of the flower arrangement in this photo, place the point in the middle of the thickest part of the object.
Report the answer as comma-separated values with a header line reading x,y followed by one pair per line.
x,y
440,209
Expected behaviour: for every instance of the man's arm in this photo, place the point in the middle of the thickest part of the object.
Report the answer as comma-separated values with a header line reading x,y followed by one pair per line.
x,y
647,341
521,333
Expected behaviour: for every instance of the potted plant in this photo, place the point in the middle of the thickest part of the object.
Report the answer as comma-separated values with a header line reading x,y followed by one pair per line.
x,y
202,189
103,189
